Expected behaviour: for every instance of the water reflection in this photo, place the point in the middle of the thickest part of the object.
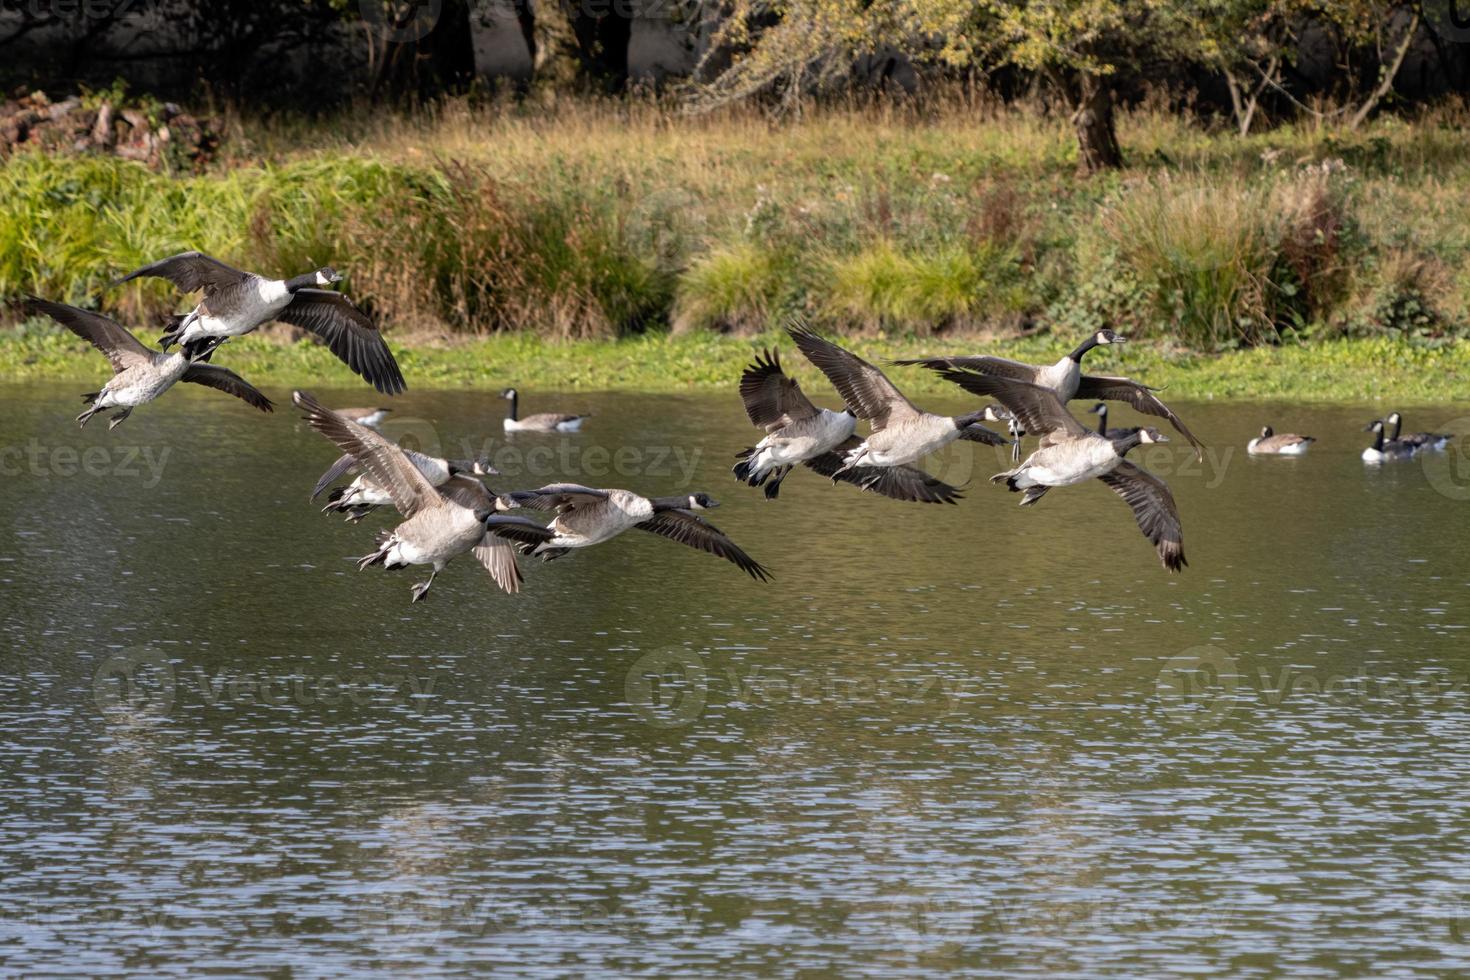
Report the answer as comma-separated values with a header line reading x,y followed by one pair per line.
x,y
930,744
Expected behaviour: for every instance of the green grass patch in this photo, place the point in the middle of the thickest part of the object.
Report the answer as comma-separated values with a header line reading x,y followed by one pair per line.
x,y
1351,370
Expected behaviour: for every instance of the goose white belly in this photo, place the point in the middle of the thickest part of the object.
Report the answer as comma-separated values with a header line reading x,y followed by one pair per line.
x,y
1062,466
601,522
249,309
803,440
530,425
140,385
434,536
1295,449
908,443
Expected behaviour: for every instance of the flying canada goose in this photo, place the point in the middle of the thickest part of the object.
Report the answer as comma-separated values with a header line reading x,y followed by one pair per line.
x,y
1070,454
1268,443
1385,450
799,432
900,432
370,417
1420,441
364,495
543,422
1101,411
1065,377
139,374
585,517
236,302
438,526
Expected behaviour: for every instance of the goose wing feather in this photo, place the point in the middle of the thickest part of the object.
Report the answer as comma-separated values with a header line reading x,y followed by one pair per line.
x,y
120,347
1153,509
1140,396
866,390
190,271
690,529
380,459
223,379
772,399
349,335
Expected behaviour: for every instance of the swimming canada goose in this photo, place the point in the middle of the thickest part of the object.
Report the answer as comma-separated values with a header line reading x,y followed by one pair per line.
x,y
585,517
1065,377
139,374
543,422
900,432
1268,443
1101,411
236,302
438,526
370,417
1385,450
1069,454
799,432
1420,441
363,495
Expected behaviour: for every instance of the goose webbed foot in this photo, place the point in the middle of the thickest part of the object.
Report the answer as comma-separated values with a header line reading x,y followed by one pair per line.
x,y
420,588
82,419
118,419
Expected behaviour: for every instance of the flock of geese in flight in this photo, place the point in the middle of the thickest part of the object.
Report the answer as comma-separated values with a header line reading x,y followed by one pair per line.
x,y
448,510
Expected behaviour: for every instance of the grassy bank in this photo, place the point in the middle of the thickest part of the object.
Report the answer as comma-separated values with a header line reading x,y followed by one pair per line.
x,y
1343,370
596,220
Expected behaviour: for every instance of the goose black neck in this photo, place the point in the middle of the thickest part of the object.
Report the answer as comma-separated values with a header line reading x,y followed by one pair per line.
x,y
1378,439
1398,426
1102,420
1123,444
961,421
514,408
669,503
1083,348
304,281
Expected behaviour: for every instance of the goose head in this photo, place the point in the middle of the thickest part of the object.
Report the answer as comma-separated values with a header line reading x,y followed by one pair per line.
x,y
328,276
702,501
1266,432
509,393
1375,426
1100,408
1106,336
1394,418
1151,435
482,467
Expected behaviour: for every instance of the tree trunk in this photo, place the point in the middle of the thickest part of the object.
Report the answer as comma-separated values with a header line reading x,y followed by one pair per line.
x,y
1386,74
1097,135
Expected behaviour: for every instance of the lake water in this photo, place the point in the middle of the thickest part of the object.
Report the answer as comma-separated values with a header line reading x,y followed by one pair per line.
x,y
943,737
